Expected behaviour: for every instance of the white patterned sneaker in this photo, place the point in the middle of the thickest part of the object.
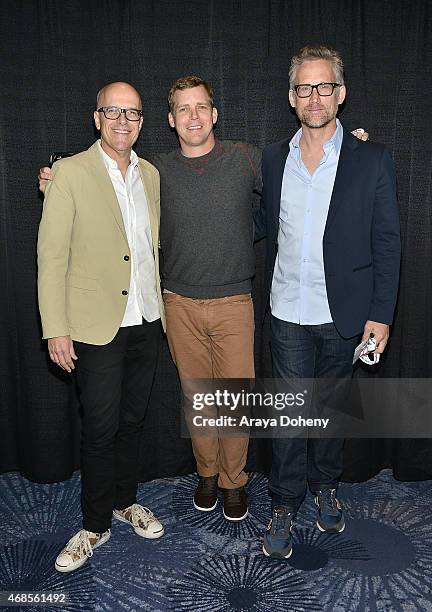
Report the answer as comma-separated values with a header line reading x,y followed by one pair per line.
x,y
79,549
142,520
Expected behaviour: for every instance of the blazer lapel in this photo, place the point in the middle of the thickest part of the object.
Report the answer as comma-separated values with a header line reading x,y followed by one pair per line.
x,y
107,192
344,175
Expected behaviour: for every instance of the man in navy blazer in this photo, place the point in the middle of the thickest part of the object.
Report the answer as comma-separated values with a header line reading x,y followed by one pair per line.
x,y
330,215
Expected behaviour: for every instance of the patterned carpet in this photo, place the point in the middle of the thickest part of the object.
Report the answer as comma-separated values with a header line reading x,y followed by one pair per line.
x,y
381,562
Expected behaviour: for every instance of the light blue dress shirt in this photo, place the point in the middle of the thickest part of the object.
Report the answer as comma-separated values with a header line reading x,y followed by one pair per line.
x,y
298,292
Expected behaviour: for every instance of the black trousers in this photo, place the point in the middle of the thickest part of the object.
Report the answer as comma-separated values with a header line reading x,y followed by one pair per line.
x,y
114,383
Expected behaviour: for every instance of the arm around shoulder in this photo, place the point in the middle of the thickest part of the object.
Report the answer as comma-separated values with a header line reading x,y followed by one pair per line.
x,y
260,216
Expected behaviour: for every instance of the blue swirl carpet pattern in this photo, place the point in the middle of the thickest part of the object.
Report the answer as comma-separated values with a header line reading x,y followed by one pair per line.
x,y
381,562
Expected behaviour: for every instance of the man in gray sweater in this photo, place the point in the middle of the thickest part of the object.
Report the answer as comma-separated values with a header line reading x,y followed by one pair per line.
x,y
207,189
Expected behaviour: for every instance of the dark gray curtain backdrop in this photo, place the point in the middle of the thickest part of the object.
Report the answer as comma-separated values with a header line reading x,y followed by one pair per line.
x,y
54,58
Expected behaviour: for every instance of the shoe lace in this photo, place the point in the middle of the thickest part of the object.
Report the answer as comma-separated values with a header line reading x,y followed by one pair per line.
x,y
140,515
80,543
281,521
327,502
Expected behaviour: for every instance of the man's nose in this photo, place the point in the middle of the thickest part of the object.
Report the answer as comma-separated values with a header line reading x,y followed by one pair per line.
x,y
122,118
315,95
193,112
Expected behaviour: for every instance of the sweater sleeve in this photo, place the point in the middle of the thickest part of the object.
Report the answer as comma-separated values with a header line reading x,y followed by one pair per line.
x,y
253,155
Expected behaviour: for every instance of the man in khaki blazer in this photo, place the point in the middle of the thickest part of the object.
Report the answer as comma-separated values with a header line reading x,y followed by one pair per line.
x,y
101,309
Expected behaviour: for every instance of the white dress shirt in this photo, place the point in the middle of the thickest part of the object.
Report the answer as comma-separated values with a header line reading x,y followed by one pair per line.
x,y
142,296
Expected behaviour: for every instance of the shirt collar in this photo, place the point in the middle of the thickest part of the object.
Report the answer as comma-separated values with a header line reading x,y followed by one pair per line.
x,y
112,164
334,141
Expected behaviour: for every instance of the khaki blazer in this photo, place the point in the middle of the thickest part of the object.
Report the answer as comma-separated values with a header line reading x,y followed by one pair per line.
x,y
84,261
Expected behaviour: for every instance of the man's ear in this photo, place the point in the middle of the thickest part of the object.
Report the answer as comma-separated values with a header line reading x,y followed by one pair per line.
x,y
292,97
214,114
171,119
342,94
96,120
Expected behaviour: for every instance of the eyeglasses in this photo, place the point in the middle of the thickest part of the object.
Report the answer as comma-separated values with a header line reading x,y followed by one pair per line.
x,y
113,112
324,89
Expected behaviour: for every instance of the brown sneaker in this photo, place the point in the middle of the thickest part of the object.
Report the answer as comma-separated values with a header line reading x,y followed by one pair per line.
x,y
235,504
205,498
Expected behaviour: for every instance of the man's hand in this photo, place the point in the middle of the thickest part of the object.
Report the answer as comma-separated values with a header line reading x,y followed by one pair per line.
x,y
61,352
45,175
360,134
380,332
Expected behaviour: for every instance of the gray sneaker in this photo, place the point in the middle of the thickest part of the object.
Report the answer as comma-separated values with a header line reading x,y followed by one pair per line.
x,y
278,538
330,517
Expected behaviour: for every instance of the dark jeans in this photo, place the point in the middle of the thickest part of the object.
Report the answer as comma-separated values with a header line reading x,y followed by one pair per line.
x,y
114,382
309,352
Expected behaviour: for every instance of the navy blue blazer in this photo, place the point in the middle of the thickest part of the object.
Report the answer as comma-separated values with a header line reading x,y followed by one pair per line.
x,y
361,243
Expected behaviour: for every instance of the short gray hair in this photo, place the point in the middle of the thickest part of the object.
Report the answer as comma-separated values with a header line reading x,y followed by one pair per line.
x,y
315,52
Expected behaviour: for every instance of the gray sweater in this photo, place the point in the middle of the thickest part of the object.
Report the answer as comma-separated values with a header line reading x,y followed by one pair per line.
x,y
206,229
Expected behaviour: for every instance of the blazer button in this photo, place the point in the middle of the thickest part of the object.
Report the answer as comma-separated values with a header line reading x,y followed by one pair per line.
x,y
124,292
126,257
